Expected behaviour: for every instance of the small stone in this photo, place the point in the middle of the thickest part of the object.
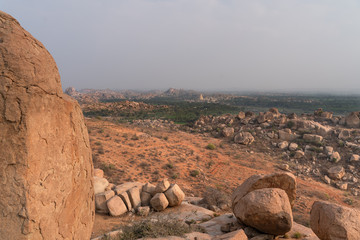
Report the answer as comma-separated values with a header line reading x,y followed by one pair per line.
x,y
327,180
244,138
116,206
125,197
145,198
98,173
329,150
149,188
100,184
101,199
335,157
143,211
134,195
293,146
109,187
235,235
299,154
162,186
336,172
159,202
284,167
354,158
312,137
342,186
174,195
283,144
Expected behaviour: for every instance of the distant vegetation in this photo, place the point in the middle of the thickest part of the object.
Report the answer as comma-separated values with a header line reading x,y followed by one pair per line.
x,y
183,112
339,105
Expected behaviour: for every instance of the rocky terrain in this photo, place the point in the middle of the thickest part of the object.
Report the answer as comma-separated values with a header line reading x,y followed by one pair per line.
x,y
255,176
204,161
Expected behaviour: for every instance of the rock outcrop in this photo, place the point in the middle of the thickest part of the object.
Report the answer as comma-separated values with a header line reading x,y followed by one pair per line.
x,y
46,188
331,221
267,210
285,181
265,202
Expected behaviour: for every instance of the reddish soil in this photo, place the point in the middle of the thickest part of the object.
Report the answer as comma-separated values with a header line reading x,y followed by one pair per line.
x,y
128,153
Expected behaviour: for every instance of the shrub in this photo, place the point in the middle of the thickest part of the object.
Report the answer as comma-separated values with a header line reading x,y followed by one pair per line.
x,y
211,146
134,137
215,197
156,228
297,235
101,150
194,173
290,124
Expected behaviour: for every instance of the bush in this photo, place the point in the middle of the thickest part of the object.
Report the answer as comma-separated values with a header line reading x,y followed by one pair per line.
x,y
215,197
155,228
211,146
134,137
194,173
297,235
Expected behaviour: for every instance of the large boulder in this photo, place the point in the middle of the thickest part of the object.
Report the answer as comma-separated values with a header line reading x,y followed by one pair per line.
x,y
331,221
265,117
46,188
336,172
312,137
352,120
287,135
283,180
244,138
267,210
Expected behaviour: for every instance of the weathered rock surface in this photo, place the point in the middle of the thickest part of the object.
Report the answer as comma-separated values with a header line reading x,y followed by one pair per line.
x,y
285,181
149,188
100,184
101,199
312,137
159,202
336,172
228,132
213,226
244,138
331,221
235,235
134,196
162,186
287,135
46,167
174,195
267,210
116,206
98,173
352,120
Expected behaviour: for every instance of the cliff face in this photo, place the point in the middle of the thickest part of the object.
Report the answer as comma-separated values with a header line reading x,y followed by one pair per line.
x,y
46,189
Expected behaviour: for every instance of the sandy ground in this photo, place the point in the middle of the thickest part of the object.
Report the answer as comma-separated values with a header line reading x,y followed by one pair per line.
x,y
128,153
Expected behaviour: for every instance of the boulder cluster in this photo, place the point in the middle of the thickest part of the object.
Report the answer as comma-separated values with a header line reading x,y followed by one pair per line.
x,y
137,197
318,145
265,202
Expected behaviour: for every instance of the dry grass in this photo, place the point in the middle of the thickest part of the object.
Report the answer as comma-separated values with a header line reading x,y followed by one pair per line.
x,y
153,228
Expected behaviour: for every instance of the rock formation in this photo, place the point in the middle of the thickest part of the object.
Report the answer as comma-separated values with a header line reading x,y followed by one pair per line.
x,y
264,202
267,210
46,189
332,221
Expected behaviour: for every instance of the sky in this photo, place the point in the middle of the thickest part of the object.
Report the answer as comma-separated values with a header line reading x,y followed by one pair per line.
x,y
253,45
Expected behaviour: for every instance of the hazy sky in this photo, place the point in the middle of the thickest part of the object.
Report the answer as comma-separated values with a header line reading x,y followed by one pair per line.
x,y
199,44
